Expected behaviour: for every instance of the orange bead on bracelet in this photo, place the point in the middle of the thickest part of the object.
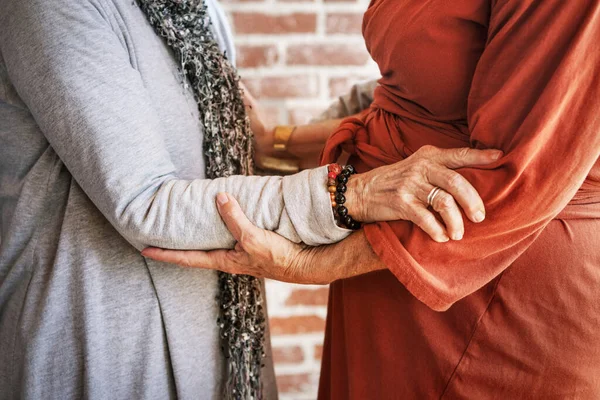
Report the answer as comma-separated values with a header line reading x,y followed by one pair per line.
x,y
335,168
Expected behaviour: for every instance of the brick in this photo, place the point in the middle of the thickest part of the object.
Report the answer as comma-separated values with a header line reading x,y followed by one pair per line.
x,y
318,352
297,383
347,23
288,355
296,324
260,23
279,87
327,54
256,56
308,297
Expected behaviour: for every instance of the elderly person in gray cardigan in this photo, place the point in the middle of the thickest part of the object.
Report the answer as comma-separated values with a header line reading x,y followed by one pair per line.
x,y
120,122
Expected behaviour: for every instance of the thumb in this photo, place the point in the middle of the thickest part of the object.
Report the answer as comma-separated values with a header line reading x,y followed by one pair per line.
x,y
465,157
233,216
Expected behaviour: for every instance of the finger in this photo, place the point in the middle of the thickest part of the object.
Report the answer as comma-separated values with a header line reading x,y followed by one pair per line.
x,y
236,221
465,157
425,220
187,258
461,189
445,205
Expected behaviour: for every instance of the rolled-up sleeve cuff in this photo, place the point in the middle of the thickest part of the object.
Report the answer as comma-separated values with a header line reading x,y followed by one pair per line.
x,y
308,206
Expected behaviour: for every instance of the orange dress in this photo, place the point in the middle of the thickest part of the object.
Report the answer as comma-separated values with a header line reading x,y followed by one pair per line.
x,y
513,309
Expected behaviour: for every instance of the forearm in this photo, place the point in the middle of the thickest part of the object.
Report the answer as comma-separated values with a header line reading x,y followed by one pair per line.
x,y
308,140
346,259
182,214
300,145
355,101
305,144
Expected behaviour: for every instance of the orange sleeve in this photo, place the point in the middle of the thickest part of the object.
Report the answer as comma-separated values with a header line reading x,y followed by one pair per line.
x,y
536,95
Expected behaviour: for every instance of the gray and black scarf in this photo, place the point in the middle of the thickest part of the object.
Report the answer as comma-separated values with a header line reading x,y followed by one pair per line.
x,y
185,25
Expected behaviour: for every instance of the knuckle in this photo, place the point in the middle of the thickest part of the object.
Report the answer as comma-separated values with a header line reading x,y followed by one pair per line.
x,y
418,168
231,213
463,153
454,181
444,201
184,261
426,150
405,198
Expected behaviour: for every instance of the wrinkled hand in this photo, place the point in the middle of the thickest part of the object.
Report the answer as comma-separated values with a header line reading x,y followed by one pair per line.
x,y
258,252
399,191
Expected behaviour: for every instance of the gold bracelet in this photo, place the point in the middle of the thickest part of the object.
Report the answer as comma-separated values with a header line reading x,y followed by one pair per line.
x,y
280,165
281,137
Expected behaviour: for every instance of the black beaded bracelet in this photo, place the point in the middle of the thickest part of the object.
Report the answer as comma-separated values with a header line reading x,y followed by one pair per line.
x,y
341,211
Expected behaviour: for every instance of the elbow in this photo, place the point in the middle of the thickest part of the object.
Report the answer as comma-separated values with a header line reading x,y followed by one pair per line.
x,y
153,214
143,224
146,227
139,235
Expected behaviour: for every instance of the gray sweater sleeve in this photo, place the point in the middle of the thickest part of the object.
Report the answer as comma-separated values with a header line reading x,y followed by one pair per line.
x,y
356,100
78,82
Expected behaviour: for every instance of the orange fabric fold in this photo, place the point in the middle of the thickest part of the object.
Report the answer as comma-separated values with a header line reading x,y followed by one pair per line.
x,y
353,138
527,104
520,291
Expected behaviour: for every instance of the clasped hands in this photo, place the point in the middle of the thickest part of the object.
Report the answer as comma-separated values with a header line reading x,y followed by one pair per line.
x,y
393,192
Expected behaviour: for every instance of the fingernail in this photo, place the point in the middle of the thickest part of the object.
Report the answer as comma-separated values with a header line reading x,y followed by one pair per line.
x,y
222,199
457,236
497,155
444,239
479,216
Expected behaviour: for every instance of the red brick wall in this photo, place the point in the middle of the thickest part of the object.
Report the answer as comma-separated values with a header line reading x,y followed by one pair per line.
x,y
295,56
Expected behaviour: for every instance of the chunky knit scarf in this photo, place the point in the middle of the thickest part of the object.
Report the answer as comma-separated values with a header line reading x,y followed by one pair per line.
x,y
185,25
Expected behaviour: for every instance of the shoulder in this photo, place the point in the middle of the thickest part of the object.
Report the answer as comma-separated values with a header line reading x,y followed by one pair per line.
x,y
41,22
44,12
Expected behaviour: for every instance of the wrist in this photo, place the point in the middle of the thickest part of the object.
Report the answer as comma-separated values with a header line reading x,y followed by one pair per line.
x,y
301,268
281,135
354,197
269,134
337,180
